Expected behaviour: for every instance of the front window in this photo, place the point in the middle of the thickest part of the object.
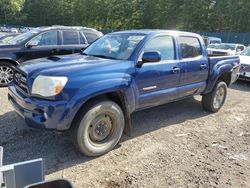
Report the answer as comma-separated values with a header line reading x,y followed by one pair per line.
x,y
246,52
20,38
115,46
46,39
163,44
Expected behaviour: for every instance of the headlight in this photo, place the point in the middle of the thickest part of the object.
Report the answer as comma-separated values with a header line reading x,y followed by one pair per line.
x,y
48,86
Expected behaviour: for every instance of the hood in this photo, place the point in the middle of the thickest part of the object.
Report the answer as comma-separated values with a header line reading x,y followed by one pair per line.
x,y
228,52
65,65
8,47
245,60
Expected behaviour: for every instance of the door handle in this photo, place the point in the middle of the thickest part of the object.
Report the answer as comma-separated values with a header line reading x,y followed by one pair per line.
x,y
203,66
54,51
176,70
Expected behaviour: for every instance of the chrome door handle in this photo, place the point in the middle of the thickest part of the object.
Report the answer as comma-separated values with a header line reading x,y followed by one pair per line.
x,y
176,70
203,66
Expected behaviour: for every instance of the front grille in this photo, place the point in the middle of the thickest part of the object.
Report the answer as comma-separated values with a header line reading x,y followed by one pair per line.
x,y
218,53
245,68
21,81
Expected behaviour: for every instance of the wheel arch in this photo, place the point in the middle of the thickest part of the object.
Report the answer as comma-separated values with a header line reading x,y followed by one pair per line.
x,y
223,73
119,97
8,60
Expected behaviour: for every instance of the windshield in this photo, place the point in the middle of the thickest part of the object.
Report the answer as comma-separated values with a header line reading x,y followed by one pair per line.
x,y
114,46
211,45
6,39
223,46
246,52
22,37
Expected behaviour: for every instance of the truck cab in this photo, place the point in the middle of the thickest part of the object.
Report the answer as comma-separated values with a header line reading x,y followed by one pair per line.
x,y
94,93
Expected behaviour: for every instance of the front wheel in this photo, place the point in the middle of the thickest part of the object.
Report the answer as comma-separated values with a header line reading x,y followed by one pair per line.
x,y
214,100
98,128
6,74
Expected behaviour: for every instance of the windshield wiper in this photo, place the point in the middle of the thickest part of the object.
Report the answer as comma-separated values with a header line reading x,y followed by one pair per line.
x,y
83,53
102,56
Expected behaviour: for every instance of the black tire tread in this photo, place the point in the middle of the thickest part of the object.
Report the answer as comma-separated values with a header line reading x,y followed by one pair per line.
x,y
207,99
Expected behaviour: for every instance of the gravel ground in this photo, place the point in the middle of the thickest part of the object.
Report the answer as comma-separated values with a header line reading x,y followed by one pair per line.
x,y
174,145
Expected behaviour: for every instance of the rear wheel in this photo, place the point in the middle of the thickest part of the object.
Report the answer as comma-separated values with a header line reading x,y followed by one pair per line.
x,y
214,100
6,74
99,128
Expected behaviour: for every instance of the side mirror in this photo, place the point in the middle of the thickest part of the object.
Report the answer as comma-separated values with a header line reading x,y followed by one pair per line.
x,y
30,45
150,57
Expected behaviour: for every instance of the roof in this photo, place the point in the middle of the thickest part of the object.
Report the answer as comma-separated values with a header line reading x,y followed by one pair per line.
x,y
155,31
44,28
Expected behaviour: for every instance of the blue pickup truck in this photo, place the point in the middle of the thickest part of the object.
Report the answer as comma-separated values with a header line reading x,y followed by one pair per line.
x,y
93,94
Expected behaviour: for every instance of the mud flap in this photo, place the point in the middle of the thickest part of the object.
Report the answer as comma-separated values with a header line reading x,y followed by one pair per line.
x,y
128,127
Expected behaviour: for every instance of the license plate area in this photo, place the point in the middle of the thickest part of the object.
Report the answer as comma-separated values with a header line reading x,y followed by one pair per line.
x,y
245,74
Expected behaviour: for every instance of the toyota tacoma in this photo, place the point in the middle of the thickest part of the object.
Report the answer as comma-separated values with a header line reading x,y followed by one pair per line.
x,y
93,94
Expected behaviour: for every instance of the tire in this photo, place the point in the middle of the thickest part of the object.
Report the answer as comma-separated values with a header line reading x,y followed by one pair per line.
x,y
98,128
214,100
6,74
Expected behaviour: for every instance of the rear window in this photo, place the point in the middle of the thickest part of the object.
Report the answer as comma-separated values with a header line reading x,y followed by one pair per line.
x,y
70,37
91,37
190,47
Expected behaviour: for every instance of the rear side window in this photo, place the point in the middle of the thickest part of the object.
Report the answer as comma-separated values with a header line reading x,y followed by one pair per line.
x,y
190,47
70,37
91,37
163,44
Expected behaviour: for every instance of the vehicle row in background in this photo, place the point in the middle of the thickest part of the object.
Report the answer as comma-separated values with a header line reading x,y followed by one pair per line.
x,y
42,42
211,40
6,37
245,64
225,49
7,29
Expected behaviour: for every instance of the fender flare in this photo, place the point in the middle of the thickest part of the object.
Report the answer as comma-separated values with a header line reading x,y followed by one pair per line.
x,y
123,86
216,73
14,62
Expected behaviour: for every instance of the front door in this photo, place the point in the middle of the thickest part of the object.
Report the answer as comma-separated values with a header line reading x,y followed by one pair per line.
x,y
158,82
43,45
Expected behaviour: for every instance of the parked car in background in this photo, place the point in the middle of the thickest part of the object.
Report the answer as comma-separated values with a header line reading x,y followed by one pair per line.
x,y
211,40
42,42
225,49
94,93
14,30
245,64
6,38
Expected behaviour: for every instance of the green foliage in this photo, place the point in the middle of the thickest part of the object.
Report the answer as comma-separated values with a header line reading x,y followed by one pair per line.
x,y
191,15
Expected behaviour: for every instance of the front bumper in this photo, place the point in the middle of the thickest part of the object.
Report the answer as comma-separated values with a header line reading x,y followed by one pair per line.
x,y
39,113
235,73
244,76
245,72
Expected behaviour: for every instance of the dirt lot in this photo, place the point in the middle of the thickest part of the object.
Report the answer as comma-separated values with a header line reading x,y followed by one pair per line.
x,y
174,145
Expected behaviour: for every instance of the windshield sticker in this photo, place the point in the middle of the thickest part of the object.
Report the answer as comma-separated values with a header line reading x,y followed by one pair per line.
x,y
136,38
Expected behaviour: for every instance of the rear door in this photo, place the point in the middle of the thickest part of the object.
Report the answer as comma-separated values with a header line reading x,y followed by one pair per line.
x,y
72,42
194,66
42,45
158,82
